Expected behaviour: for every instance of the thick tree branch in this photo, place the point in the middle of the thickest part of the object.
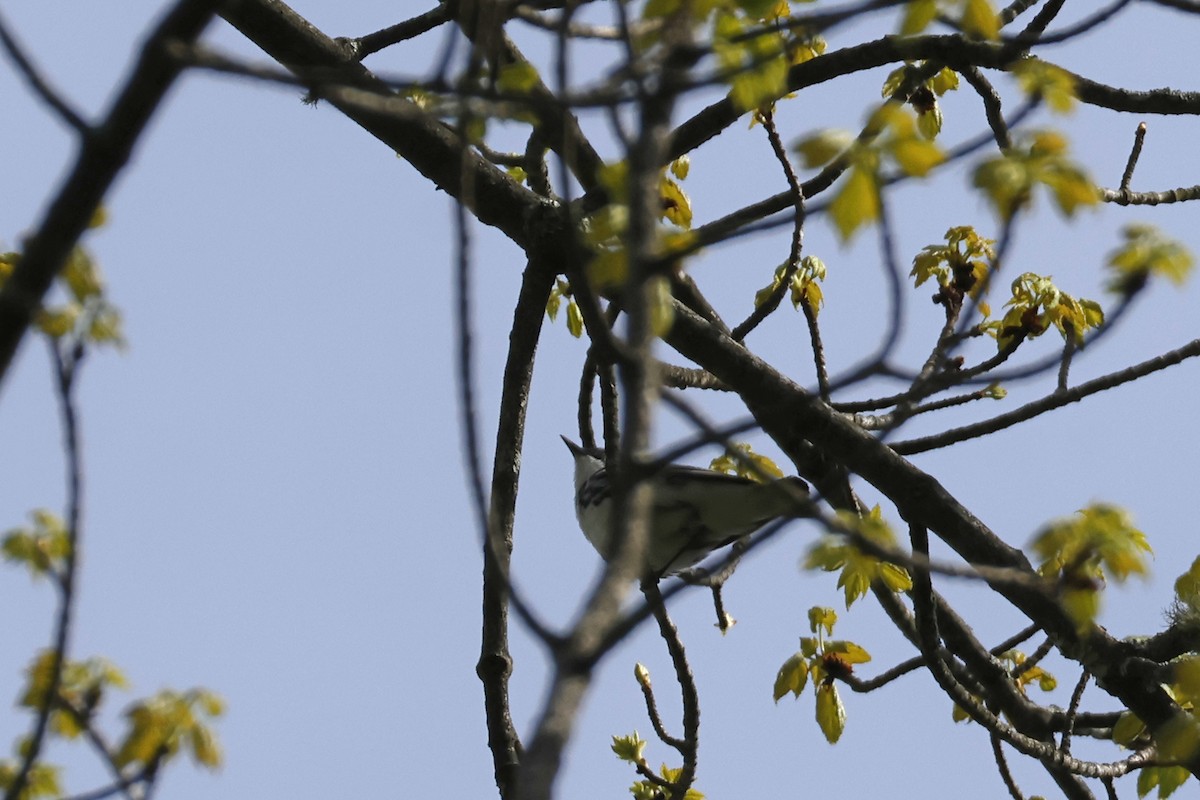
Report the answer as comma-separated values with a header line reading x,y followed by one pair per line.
x,y
418,137
798,421
103,154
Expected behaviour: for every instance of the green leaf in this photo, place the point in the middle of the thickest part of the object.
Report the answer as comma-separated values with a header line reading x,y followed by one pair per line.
x,y
1185,679
917,16
1179,739
1127,729
681,166
629,748
1146,252
792,677
744,462
1167,779
1100,539
1055,85
161,724
859,570
917,156
41,781
42,547
518,77
831,714
662,308
849,652
677,207
980,19
822,147
821,617
82,276
574,318
1187,586
857,204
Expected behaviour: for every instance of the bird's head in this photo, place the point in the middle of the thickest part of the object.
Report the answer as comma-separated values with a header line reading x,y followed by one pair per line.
x,y
587,461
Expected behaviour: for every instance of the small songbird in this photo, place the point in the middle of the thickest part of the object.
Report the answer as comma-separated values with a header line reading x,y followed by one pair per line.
x,y
694,511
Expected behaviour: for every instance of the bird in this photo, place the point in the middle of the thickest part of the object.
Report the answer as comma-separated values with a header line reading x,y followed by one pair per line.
x,y
693,511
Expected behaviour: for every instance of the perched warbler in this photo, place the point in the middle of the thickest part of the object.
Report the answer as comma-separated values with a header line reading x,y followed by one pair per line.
x,y
693,512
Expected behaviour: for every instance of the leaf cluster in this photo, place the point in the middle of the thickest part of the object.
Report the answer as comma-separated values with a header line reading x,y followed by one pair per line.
x,y
826,661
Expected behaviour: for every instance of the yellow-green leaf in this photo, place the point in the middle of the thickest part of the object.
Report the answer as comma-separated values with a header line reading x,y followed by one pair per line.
x,y
792,677
857,203
81,275
1179,739
677,208
681,166
821,617
1127,729
831,714
1167,779
918,156
917,16
1146,252
849,652
1055,85
980,19
574,318
1187,586
629,748
822,147
517,77
662,308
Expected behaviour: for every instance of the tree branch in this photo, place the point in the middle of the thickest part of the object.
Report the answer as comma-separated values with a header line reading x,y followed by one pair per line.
x,y
103,154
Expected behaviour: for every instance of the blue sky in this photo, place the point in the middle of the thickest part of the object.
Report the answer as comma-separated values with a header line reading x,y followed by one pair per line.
x,y
275,502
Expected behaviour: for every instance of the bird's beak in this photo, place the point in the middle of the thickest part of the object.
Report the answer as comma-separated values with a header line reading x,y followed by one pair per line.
x,y
575,449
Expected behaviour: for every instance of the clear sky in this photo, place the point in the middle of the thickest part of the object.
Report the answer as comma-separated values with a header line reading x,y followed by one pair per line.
x,y
275,501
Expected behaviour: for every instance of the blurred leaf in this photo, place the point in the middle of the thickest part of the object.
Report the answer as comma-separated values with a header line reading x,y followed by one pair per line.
x,y
857,203
1187,586
662,308
917,16
81,275
1179,739
1127,729
42,547
1167,779
159,725
1146,252
858,569
980,19
820,148
518,77
41,781
1053,84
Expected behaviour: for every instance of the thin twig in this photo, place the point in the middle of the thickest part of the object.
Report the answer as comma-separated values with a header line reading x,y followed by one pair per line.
x,y
1049,403
1073,710
1002,767
768,306
364,46
1139,138
689,745
65,364
40,86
